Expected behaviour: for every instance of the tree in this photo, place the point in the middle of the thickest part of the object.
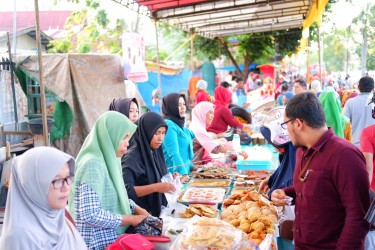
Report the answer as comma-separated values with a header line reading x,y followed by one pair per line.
x,y
88,31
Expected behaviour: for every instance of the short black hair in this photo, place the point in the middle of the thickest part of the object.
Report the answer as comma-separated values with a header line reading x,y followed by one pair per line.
x,y
307,107
284,87
239,79
225,84
366,84
302,83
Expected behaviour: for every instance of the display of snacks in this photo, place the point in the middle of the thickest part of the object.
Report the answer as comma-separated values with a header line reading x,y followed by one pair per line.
x,y
251,213
200,210
212,173
209,233
204,195
243,184
210,182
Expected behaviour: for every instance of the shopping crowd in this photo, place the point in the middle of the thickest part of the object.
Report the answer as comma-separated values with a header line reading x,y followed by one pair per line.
x,y
114,185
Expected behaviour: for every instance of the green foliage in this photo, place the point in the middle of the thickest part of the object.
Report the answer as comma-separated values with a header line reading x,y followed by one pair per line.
x,y
288,41
334,53
88,32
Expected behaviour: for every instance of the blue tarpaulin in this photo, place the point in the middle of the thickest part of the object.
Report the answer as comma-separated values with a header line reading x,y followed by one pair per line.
x,y
233,68
169,83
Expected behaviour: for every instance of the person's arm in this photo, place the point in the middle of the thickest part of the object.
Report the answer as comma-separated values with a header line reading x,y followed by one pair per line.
x,y
132,171
369,164
229,119
347,110
351,180
160,187
172,152
92,212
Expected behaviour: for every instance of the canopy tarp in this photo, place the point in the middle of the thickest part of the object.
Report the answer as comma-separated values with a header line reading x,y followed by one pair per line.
x,y
224,18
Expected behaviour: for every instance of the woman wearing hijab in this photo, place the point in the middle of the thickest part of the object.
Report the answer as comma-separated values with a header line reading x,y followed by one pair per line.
x,y
177,144
201,94
144,165
35,209
223,116
126,106
98,200
334,117
203,144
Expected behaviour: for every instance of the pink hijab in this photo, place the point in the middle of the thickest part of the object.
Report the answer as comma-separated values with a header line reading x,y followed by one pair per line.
x,y
198,126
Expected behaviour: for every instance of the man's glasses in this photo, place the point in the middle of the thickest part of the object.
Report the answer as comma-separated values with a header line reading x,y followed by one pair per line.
x,y
59,183
284,124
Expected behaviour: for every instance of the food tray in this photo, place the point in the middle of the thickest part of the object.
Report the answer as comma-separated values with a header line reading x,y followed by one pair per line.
x,y
204,195
209,182
253,165
238,190
183,192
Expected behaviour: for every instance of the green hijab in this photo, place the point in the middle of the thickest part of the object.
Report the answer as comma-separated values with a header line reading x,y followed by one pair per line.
x,y
333,111
101,146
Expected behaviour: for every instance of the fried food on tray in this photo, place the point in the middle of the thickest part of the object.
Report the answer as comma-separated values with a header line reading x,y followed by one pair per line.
x,y
252,214
200,210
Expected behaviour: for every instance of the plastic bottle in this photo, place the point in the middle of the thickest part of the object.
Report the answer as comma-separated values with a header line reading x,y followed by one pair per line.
x,y
236,143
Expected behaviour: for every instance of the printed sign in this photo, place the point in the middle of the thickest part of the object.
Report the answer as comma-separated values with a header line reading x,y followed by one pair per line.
x,y
133,53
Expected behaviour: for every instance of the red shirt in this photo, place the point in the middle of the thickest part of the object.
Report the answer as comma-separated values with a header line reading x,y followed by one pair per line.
x,y
222,119
332,202
367,145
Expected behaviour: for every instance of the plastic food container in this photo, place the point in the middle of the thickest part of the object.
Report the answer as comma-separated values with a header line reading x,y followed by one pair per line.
x,y
253,165
210,182
204,195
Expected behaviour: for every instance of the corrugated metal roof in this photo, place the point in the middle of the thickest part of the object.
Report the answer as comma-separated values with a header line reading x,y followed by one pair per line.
x,y
225,17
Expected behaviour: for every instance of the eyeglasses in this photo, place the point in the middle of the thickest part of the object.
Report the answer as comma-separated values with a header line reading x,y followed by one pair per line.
x,y
284,124
59,183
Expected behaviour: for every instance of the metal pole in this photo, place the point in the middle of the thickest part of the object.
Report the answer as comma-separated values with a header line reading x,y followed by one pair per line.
x,y
15,28
42,91
320,58
157,59
12,80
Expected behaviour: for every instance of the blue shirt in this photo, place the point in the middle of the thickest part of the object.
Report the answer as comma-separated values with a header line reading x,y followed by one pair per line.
x,y
360,115
178,148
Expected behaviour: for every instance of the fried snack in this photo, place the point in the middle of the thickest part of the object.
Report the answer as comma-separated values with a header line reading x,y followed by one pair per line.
x,y
245,227
257,226
200,210
208,233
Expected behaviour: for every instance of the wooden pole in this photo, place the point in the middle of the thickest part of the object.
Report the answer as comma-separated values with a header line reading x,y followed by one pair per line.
x,y
157,59
12,80
40,70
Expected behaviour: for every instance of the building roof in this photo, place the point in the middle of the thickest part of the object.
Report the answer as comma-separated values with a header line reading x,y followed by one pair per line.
x,y
30,31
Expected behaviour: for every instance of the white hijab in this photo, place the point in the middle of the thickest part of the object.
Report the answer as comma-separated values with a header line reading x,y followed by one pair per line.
x,y
30,222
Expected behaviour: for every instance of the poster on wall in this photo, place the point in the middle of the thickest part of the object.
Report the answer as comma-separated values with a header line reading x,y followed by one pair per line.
x,y
133,54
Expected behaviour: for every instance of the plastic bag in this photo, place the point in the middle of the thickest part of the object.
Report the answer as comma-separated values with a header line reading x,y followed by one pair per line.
x,y
172,197
201,233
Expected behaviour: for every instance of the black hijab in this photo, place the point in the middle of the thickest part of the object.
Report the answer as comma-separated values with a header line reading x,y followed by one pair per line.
x,y
122,105
283,175
170,108
143,165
